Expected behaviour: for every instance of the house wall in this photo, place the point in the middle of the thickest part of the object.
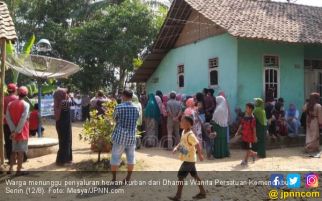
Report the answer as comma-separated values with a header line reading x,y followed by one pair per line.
x,y
251,70
195,58
241,69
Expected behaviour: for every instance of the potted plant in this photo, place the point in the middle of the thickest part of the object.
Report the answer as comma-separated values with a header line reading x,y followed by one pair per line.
x,y
98,130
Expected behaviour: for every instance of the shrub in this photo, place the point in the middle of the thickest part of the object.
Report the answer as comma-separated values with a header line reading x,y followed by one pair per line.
x,y
98,130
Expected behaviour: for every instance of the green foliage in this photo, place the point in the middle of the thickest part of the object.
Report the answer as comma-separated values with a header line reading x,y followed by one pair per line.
x,y
102,37
137,63
47,88
32,88
114,36
159,19
98,130
26,51
28,46
9,48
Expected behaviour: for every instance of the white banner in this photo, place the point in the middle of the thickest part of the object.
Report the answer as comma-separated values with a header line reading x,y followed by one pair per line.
x,y
47,107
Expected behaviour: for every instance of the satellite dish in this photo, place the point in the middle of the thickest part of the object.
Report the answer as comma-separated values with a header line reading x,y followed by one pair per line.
x,y
43,46
41,67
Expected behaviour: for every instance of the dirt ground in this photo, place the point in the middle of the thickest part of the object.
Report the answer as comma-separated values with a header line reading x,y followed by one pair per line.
x,y
156,159
154,165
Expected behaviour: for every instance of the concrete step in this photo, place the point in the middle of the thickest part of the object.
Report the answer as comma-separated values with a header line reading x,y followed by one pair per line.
x,y
41,146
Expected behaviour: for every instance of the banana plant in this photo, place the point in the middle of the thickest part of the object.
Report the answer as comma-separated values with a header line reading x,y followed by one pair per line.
x,y
25,52
47,87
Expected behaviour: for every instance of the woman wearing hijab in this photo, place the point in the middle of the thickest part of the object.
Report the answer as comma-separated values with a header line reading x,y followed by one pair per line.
x,y
222,93
313,122
292,117
152,119
261,126
191,110
220,124
137,104
62,104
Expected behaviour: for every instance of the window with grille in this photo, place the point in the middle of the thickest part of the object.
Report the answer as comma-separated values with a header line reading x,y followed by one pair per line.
x,y
181,76
271,75
213,71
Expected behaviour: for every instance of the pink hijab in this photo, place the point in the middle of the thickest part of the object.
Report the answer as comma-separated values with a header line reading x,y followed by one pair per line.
x,y
190,103
164,105
165,99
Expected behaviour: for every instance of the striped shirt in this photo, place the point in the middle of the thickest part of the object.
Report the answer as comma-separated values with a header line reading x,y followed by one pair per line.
x,y
126,116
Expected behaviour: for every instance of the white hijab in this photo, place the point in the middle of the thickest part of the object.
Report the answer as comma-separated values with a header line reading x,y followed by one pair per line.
x,y
137,104
221,115
159,102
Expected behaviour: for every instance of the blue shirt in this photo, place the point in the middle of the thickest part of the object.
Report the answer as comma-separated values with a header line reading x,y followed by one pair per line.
x,y
126,116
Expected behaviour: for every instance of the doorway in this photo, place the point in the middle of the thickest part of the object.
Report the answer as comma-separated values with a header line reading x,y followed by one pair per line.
x,y
312,77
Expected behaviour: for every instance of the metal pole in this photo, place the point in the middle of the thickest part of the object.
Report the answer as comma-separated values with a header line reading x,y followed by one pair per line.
x,y
39,107
2,83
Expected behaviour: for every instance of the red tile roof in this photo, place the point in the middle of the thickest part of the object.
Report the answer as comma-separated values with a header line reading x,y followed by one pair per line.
x,y
7,27
250,19
275,21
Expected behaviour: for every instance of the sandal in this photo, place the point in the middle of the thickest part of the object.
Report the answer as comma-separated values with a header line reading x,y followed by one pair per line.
x,y
199,196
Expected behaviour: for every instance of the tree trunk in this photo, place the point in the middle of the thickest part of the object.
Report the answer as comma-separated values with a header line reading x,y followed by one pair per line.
x,y
122,79
3,59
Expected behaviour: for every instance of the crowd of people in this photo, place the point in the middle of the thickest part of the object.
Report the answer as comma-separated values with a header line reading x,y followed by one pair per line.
x,y
162,115
210,114
159,116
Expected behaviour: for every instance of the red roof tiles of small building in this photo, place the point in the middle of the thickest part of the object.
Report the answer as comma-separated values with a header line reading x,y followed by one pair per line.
x,y
7,27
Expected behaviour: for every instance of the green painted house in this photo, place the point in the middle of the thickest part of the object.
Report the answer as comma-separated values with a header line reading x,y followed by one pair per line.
x,y
241,47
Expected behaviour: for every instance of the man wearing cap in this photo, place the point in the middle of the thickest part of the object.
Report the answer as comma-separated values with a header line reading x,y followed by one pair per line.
x,y
11,89
17,119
